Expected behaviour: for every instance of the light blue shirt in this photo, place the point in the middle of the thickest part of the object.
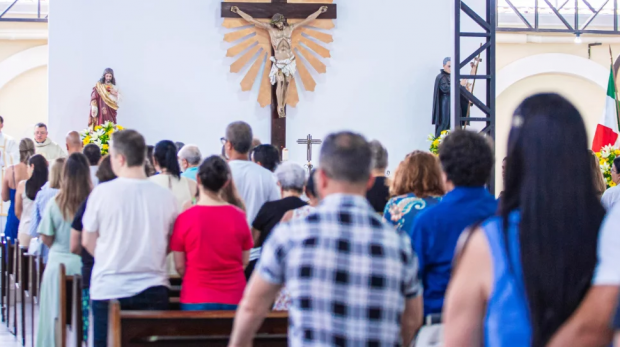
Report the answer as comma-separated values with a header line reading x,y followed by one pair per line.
x,y
190,173
40,202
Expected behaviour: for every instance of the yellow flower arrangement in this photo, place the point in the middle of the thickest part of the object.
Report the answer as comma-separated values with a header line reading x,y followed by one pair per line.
x,y
436,141
100,135
606,156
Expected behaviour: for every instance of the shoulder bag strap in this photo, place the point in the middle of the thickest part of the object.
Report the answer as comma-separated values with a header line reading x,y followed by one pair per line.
x,y
462,243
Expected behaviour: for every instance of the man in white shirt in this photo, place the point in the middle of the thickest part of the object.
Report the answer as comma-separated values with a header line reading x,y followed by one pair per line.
x,y
254,183
127,226
612,195
45,146
590,325
9,149
93,153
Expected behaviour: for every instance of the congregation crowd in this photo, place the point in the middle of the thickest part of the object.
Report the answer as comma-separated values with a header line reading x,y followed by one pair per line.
x,y
427,256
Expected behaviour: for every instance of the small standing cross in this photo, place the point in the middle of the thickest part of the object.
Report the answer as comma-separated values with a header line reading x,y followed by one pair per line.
x,y
309,141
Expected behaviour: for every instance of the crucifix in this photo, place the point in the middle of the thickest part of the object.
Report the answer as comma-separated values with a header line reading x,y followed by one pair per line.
x,y
309,141
280,32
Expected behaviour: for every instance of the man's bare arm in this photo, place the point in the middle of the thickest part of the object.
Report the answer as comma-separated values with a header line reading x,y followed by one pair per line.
x,y
89,241
255,305
412,319
311,18
249,18
590,325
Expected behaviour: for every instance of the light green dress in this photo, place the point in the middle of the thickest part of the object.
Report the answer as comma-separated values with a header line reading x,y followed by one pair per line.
x,y
53,224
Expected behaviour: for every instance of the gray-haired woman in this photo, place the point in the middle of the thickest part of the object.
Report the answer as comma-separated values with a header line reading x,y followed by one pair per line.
x,y
291,179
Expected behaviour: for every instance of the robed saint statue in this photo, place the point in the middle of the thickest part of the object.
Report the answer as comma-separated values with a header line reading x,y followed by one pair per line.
x,y
281,36
104,100
441,99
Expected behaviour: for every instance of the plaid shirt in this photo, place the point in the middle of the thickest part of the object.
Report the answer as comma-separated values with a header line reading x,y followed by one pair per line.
x,y
348,274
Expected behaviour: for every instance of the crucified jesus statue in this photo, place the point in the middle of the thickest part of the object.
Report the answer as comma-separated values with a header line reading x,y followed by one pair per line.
x,y
281,35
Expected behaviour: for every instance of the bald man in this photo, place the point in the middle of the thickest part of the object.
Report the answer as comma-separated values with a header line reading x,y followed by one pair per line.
x,y
74,143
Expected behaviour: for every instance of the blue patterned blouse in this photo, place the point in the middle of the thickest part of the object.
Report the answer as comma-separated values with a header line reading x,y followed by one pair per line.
x,y
402,210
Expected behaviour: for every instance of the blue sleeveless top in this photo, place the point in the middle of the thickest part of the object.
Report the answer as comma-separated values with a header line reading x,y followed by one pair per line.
x,y
507,321
12,223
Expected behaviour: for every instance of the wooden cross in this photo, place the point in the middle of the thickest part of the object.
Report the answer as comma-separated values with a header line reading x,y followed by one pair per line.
x,y
309,141
267,10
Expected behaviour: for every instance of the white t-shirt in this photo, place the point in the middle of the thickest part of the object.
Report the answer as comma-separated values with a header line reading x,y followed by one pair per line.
x,y
607,270
93,175
134,219
255,185
611,197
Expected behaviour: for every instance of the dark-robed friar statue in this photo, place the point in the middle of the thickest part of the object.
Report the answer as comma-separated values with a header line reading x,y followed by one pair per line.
x,y
441,100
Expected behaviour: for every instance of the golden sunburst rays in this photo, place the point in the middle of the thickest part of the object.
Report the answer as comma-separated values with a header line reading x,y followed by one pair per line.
x,y
250,46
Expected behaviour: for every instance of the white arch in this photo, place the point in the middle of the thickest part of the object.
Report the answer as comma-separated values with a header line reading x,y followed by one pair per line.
x,y
21,62
560,63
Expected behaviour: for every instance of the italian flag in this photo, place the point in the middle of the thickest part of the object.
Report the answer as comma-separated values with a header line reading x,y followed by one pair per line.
x,y
607,129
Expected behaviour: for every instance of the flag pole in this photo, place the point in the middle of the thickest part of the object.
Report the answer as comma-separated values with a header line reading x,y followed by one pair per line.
x,y
613,71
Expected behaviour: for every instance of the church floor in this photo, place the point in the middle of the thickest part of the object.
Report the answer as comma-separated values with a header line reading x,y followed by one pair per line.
x,y
8,340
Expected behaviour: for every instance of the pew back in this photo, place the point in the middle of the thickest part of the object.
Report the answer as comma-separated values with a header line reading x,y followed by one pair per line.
x,y
186,328
65,290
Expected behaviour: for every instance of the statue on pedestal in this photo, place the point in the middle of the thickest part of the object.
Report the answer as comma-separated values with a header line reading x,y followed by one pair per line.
x,y
104,100
441,99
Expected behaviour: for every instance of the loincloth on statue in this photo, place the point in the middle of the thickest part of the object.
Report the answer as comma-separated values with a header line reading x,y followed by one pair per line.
x,y
288,67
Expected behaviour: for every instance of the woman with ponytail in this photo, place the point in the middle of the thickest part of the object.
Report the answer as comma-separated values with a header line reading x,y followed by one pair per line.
x,y
211,244
520,276
167,164
12,176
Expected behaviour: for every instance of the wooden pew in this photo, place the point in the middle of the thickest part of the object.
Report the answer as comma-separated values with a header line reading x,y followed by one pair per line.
x,y
3,277
174,295
186,328
77,324
11,281
64,306
24,285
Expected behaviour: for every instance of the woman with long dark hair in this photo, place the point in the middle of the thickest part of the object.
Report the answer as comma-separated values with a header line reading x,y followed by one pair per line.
x,y
184,189
55,232
522,274
167,164
27,191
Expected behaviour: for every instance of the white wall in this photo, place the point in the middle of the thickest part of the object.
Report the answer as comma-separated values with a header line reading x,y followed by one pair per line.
x,y
170,64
